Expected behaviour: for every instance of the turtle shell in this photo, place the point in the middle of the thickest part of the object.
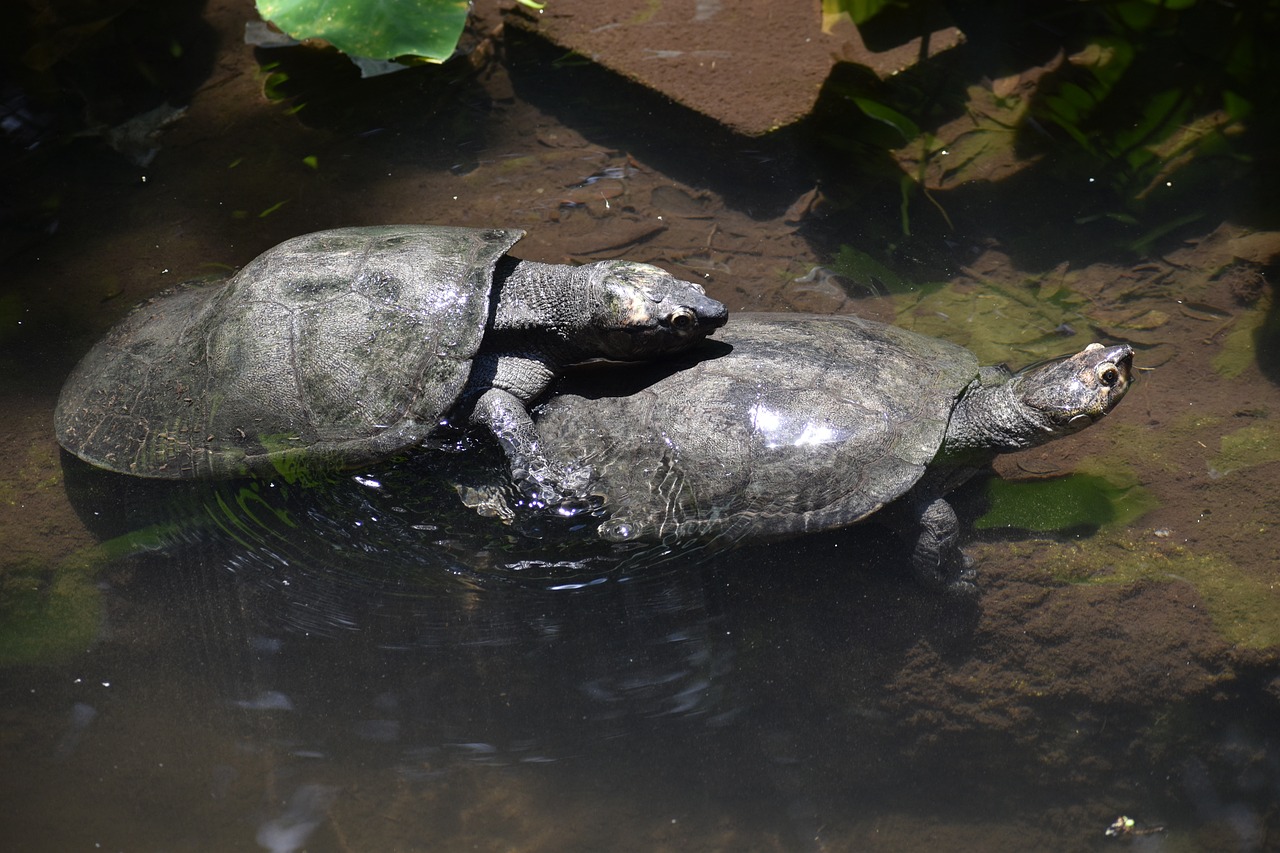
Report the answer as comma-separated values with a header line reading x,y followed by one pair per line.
x,y
338,347
804,423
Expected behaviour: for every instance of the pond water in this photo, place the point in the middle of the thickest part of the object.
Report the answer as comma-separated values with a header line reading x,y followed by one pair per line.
x,y
371,666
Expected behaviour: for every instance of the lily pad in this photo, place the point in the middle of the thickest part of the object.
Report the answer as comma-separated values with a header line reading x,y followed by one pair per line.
x,y
377,29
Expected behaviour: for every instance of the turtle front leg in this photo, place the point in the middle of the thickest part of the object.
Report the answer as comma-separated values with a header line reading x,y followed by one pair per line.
x,y
503,409
936,556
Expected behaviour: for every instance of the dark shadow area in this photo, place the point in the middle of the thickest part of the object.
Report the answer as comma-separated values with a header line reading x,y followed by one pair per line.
x,y
445,107
83,66
72,76
1268,340
1097,143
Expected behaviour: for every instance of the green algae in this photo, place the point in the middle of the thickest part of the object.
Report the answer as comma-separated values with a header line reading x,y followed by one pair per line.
x,y
1243,606
1240,347
246,516
1247,447
48,615
1034,320
1095,496
863,269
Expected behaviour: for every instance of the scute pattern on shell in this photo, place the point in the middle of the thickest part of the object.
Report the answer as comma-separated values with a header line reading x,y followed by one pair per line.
x,y
344,345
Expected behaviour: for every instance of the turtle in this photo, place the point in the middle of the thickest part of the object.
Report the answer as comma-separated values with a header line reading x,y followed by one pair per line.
x,y
790,423
342,347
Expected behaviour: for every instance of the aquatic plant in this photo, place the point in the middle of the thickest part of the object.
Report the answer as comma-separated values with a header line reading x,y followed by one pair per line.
x,y
1241,602
1107,106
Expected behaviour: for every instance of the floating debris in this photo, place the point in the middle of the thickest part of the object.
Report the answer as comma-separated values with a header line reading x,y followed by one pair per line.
x,y
673,201
138,137
828,280
1127,827
1201,311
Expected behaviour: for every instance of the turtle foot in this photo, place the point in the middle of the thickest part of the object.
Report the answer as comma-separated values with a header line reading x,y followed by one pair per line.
x,y
954,575
564,491
938,562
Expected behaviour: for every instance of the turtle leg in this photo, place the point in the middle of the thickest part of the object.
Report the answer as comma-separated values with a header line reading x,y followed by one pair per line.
x,y
504,415
936,556
502,408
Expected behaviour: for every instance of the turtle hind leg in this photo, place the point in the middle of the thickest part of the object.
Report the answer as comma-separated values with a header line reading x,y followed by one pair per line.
x,y
936,557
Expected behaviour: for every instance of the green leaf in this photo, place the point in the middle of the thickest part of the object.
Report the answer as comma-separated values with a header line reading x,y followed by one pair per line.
x,y
866,271
379,29
860,11
1137,14
878,111
1237,106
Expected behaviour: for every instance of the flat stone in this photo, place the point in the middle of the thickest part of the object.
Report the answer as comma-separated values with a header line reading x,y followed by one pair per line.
x,y
752,65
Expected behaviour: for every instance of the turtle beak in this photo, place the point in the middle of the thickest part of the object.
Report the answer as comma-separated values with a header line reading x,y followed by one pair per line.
x,y
697,316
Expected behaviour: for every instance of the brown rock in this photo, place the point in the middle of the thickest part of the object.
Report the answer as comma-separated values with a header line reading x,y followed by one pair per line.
x,y
752,65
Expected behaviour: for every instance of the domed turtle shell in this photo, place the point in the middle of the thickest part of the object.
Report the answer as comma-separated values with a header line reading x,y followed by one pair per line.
x,y
342,345
805,424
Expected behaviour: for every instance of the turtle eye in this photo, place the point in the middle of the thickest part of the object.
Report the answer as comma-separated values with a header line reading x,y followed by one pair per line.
x,y
682,319
1108,375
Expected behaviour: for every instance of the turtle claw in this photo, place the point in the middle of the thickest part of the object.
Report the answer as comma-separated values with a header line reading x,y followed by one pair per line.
x,y
953,573
963,577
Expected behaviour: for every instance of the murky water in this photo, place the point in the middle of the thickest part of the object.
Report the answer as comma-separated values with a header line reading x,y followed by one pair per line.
x,y
370,666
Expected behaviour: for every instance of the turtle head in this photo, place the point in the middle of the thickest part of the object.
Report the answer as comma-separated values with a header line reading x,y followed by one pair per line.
x,y
1001,412
639,311
1068,394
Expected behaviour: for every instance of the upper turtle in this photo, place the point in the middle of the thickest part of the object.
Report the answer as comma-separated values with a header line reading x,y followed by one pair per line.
x,y
808,423
342,347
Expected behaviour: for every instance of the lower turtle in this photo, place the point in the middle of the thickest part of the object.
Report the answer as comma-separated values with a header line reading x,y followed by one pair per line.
x,y
787,424
342,347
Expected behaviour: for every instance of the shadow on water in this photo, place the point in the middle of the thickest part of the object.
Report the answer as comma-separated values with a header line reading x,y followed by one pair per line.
x,y
1268,334
444,108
